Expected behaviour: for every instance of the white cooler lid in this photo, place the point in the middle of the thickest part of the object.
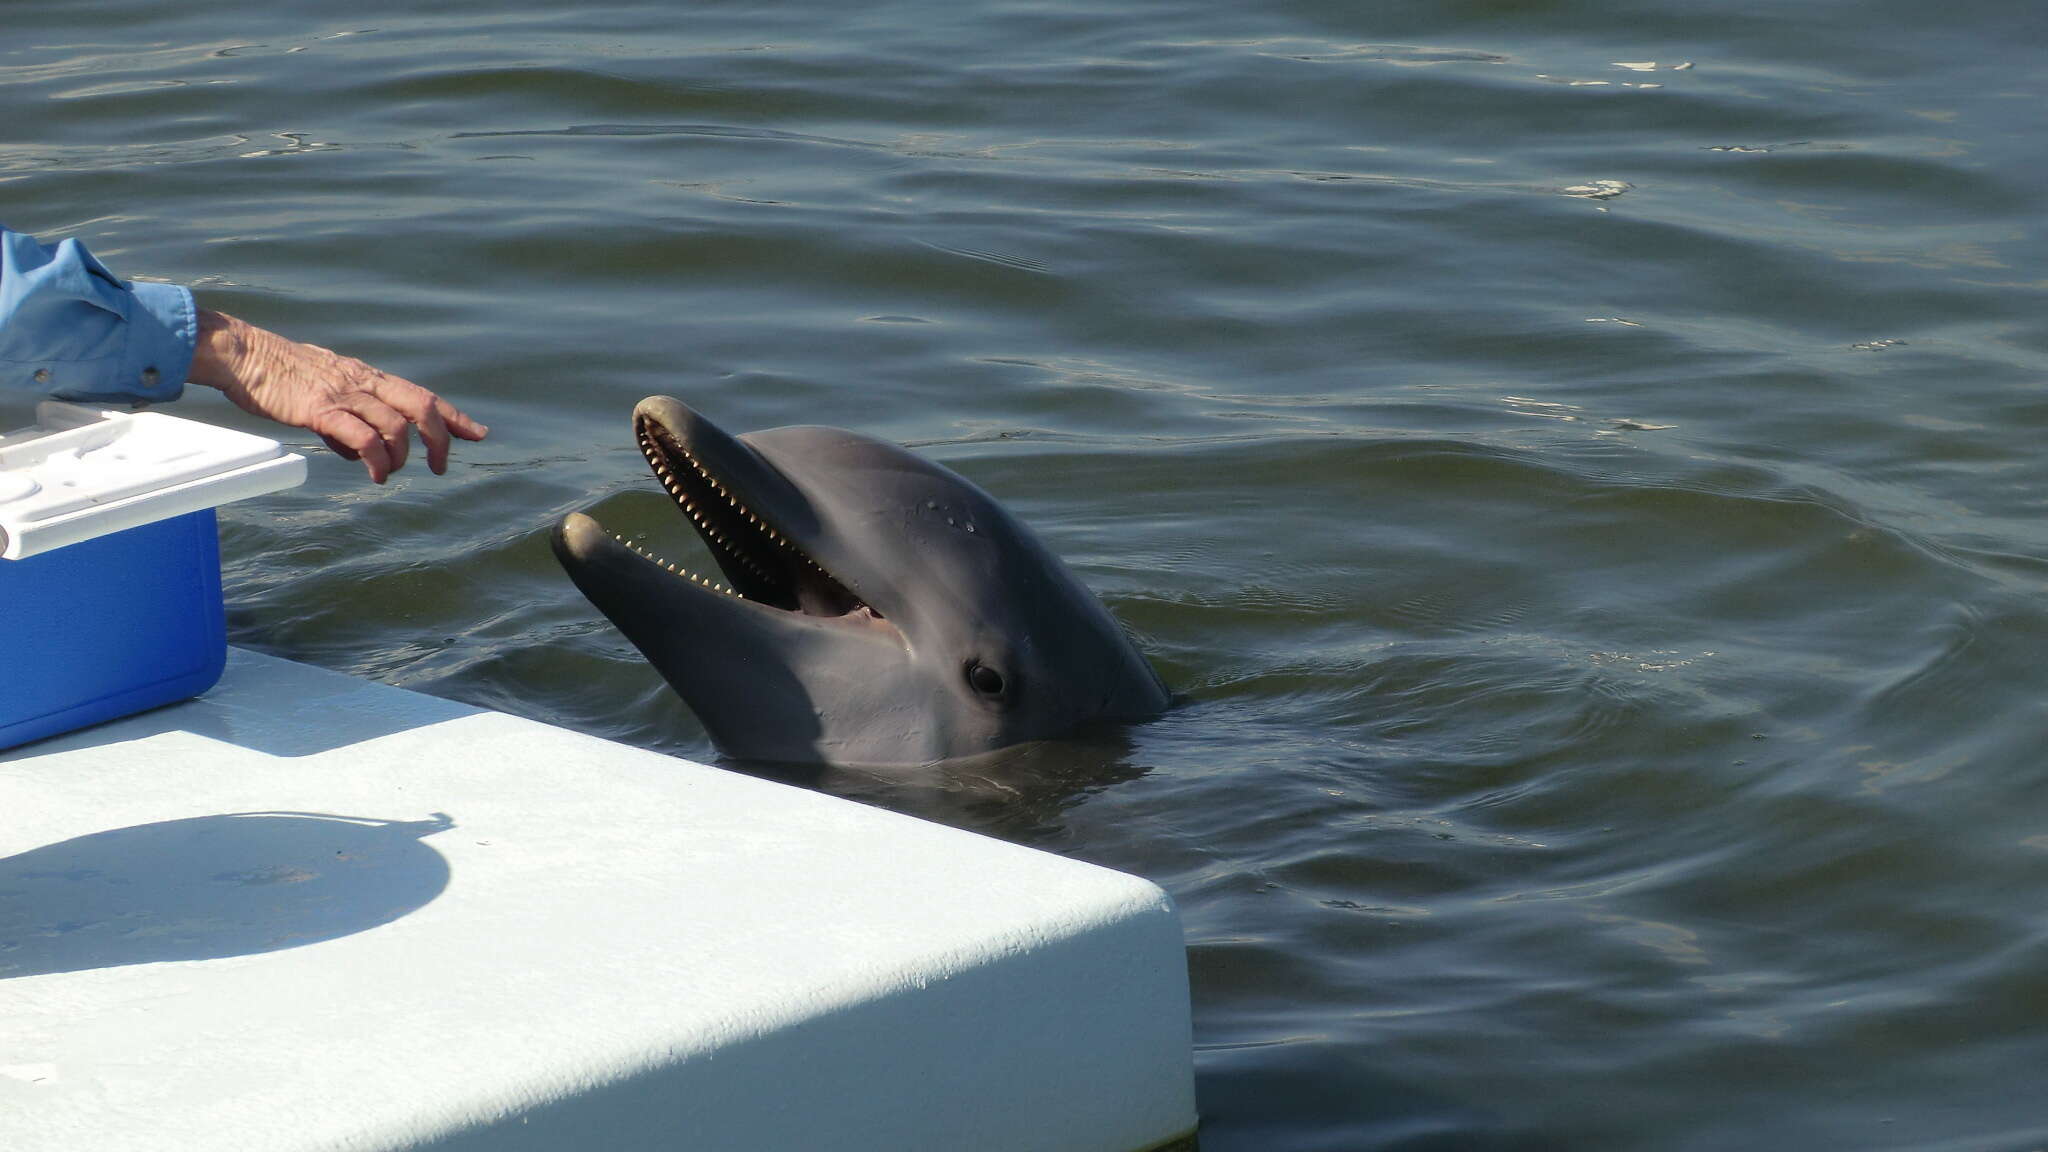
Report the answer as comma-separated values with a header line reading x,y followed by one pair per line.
x,y
84,472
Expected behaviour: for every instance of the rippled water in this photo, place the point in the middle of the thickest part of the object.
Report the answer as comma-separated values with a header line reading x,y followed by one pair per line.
x,y
1583,465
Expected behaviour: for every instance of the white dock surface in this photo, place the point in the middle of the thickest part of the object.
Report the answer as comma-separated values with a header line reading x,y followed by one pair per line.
x,y
311,912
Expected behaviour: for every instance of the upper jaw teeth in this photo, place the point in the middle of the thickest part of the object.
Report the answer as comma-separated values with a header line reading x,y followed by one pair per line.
x,y
665,470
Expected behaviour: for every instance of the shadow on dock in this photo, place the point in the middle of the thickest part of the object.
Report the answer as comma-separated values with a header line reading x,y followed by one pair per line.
x,y
210,887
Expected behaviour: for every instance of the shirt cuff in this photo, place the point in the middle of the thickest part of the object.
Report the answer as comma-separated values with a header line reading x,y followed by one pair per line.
x,y
163,331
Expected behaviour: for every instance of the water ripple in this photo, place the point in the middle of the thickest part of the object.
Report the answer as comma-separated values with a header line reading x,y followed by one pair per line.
x,y
1579,468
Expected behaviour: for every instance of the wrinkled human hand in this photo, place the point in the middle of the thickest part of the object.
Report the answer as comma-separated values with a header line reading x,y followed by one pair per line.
x,y
362,413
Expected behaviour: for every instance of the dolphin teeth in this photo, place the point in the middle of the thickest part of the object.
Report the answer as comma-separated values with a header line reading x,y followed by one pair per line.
x,y
747,547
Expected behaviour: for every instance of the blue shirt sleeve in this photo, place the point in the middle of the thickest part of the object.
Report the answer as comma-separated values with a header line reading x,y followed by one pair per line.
x,y
71,329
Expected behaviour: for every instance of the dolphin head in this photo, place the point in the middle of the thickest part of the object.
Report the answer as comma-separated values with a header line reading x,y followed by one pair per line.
x,y
876,609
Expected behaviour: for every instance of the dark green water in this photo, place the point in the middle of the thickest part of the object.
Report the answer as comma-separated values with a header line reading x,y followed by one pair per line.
x,y
1584,465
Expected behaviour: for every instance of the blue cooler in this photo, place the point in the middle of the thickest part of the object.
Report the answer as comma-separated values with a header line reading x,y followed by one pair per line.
x,y
110,597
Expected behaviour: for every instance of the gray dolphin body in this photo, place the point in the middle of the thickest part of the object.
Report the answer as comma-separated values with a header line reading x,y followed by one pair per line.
x,y
882,610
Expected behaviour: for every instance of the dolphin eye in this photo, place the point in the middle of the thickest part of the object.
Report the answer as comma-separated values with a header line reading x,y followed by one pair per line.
x,y
985,680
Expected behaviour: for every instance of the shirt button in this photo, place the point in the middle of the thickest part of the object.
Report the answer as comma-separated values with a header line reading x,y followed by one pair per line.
x,y
42,375
149,377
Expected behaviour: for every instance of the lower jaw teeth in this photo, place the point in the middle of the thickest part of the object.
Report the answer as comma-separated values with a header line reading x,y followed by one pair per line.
x,y
714,585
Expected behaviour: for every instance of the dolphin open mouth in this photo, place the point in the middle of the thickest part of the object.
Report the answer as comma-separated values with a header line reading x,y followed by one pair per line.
x,y
990,640
759,559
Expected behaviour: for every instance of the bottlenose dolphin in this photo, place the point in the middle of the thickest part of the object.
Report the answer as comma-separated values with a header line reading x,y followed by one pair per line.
x,y
877,610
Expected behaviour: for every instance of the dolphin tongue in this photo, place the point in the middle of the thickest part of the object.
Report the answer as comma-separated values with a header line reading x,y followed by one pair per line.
x,y
820,595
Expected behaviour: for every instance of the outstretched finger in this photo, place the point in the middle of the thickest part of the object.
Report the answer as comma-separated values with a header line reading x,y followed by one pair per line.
x,y
460,422
349,430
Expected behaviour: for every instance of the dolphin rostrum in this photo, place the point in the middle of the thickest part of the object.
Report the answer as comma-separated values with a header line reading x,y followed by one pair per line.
x,y
877,609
